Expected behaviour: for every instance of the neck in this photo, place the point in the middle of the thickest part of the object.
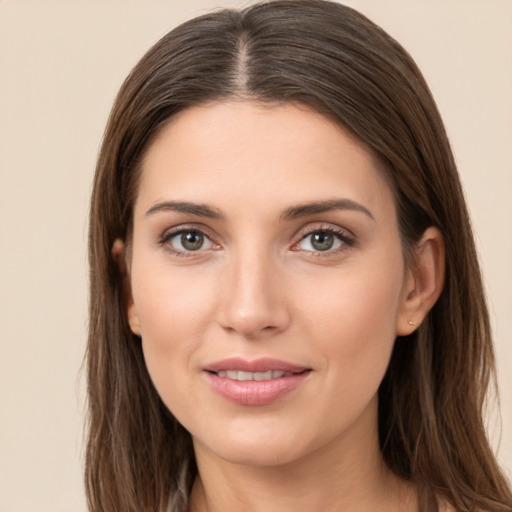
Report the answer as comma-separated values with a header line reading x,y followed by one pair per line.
x,y
349,474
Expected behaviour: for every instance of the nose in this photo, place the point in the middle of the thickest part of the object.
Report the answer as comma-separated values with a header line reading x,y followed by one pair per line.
x,y
253,302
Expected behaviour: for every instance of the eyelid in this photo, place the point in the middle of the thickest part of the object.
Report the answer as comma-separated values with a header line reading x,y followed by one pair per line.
x,y
346,237
174,231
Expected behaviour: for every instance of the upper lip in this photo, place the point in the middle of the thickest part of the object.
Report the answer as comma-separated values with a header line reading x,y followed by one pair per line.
x,y
257,365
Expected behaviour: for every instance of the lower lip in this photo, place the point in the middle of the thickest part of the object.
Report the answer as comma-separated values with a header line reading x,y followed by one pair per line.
x,y
255,392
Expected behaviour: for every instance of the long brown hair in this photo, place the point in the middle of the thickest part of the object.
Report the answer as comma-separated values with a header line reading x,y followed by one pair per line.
x,y
139,458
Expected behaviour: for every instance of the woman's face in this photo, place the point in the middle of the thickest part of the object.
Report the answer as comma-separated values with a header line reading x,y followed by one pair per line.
x,y
267,280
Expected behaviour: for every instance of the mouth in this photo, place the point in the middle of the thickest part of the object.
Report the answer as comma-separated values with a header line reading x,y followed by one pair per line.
x,y
258,369
240,375
254,383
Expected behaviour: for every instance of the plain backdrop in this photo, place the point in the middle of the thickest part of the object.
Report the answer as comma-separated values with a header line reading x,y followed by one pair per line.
x,y
61,63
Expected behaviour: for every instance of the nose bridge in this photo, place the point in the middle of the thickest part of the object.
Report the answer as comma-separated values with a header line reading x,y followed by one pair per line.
x,y
253,303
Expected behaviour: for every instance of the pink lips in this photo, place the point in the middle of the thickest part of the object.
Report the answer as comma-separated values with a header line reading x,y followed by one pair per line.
x,y
287,377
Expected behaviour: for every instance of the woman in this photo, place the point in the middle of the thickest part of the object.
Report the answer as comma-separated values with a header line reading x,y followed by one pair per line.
x,y
286,306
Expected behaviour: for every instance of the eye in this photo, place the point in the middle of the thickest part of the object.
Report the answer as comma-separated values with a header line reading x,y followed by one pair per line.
x,y
186,241
324,240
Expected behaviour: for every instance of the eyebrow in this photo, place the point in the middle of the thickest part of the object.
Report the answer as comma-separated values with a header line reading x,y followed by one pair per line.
x,y
200,210
294,212
313,208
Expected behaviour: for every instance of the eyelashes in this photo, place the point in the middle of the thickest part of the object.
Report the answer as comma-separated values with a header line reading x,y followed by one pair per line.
x,y
191,241
187,242
318,241
327,240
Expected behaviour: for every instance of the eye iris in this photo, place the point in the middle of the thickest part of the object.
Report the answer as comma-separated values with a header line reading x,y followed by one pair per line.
x,y
322,241
192,240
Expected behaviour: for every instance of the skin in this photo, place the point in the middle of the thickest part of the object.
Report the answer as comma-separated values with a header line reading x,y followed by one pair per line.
x,y
258,287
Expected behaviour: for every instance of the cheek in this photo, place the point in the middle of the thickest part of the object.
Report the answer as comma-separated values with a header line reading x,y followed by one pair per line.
x,y
352,325
353,319
170,302
173,309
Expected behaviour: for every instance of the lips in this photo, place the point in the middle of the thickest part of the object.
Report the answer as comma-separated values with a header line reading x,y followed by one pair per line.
x,y
245,376
258,365
254,383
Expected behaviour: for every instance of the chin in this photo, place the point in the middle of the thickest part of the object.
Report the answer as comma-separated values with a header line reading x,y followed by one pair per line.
x,y
256,445
261,454
278,439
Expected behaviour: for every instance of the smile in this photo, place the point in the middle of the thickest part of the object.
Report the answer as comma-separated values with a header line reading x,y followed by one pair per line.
x,y
254,383
244,376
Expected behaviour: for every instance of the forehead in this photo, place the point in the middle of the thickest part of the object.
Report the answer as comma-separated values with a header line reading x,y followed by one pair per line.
x,y
245,152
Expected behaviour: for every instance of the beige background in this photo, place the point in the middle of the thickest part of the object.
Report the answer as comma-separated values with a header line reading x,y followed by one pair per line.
x,y
61,63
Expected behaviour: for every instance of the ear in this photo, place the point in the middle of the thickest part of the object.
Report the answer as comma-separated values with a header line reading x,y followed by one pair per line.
x,y
423,282
119,256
